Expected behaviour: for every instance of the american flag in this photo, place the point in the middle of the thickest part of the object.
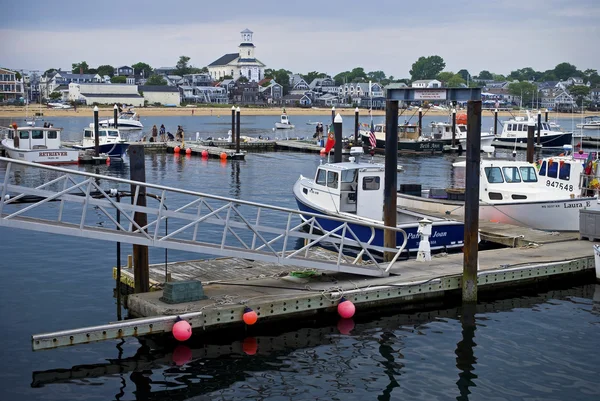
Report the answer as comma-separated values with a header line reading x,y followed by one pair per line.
x,y
372,139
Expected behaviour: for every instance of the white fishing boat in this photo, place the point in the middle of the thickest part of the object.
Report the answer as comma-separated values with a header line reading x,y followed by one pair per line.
x,y
514,134
126,120
515,192
354,191
109,139
443,131
38,145
284,122
590,122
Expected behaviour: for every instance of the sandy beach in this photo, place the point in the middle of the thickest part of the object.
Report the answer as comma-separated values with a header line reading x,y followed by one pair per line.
x,y
87,112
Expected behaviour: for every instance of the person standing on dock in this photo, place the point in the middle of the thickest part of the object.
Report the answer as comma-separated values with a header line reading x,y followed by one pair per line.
x,y
154,133
179,134
163,130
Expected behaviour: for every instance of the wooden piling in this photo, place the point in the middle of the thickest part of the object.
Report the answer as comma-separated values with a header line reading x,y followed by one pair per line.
x,y
391,176
140,252
118,280
453,128
539,129
233,123
332,114
355,126
116,116
469,282
237,130
337,147
495,122
546,117
530,135
96,132
420,121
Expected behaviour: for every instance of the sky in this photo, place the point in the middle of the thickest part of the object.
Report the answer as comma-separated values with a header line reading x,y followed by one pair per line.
x,y
325,36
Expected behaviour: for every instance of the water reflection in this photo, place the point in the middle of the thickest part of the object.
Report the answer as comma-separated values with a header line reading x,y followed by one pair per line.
x,y
465,355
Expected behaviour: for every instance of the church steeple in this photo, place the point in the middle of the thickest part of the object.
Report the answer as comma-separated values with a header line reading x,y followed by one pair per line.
x,y
246,48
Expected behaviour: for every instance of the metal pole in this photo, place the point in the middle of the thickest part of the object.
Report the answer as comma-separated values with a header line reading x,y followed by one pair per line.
x,y
391,176
118,263
237,131
539,129
420,121
453,127
495,122
233,123
530,135
140,252
337,147
332,114
355,126
116,116
470,260
96,132
546,118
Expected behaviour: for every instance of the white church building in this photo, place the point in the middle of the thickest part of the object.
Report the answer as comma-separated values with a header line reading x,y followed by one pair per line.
x,y
240,64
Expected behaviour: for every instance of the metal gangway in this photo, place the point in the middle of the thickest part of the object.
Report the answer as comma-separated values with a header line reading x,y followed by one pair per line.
x,y
62,201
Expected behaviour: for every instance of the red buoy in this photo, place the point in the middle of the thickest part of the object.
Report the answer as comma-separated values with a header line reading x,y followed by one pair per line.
x,y
205,154
188,151
223,156
177,149
182,330
346,308
250,317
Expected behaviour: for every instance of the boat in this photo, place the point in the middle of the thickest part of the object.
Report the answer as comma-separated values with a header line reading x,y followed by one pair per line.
x,y
443,131
126,120
38,145
353,191
284,122
515,192
590,122
514,134
409,140
109,139
59,105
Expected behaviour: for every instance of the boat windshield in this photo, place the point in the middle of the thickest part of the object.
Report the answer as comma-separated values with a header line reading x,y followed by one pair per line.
x,y
379,128
528,174
511,174
113,133
349,175
493,175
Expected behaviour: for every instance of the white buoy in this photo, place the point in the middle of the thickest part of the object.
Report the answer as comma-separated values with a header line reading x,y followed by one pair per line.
x,y
424,253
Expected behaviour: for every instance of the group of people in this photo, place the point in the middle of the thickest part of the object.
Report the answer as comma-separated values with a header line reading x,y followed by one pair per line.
x,y
161,135
48,125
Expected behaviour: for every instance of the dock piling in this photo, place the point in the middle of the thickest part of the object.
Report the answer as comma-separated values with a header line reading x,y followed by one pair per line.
x,y
332,114
138,196
495,122
237,130
420,121
96,132
115,116
391,176
471,227
453,128
337,147
355,126
546,117
233,123
539,128
118,280
530,135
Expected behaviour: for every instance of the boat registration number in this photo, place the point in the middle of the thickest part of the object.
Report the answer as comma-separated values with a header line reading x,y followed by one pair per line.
x,y
559,185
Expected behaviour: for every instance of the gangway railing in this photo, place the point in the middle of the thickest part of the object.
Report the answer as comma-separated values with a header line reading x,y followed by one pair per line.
x,y
82,204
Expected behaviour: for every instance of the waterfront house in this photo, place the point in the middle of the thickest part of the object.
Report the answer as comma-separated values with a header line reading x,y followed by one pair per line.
x,y
297,100
327,99
161,94
174,80
272,92
426,83
298,85
202,79
59,81
124,71
100,93
245,93
595,95
323,85
241,64
11,88
164,71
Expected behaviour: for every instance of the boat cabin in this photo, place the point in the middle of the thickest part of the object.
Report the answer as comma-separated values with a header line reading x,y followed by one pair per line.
x,y
566,174
29,138
405,131
106,135
285,119
353,187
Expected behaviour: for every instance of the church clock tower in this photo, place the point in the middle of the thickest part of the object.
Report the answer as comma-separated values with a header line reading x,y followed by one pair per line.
x,y
246,48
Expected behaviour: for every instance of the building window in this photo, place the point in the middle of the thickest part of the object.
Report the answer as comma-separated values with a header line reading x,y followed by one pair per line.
x,y
248,52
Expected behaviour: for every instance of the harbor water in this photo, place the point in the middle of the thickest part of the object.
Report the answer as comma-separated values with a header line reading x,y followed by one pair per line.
x,y
540,344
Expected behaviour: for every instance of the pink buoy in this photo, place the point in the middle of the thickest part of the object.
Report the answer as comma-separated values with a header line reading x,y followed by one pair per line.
x,y
345,326
177,149
250,317
188,151
346,308
182,330
205,154
182,355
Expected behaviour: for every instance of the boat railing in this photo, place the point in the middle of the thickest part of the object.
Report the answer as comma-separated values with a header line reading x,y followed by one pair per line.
x,y
589,184
4,132
83,204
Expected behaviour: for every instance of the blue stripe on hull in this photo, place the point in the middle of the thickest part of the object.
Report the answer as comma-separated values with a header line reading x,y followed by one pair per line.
x,y
553,141
112,149
449,236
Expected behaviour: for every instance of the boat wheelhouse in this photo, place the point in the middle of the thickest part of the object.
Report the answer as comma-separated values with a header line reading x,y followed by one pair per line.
x,y
590,122
126,120
514,134
442,131
284,122
38,145
109,140
409,140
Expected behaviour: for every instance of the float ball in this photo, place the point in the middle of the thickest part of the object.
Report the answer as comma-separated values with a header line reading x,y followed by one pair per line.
x,y
250,345
188,151
177,149
182,330
205,154
345,326
346,309
250,317
182,355
223,156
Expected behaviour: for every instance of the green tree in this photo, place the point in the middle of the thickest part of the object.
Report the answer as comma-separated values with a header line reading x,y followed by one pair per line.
x,y
456,81
525,74
377,76
106,70
525,90
55,95
50,71
119,79
242,79
357,75
342,78
592,76
565,70
18,75
182,66
140,67
312,75
498,77
444,76
82,67
579,92
282,77
204,70
156,80
465,75
485,74
427,67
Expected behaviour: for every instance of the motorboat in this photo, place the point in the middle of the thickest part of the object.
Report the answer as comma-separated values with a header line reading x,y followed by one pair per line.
x,y
38,145
409,140
590,122
353,191
515,192
126,120
514,134
59,105
109,140
443,131
284,122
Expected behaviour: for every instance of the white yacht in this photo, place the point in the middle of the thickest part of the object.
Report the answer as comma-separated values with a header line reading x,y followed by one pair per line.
x,y
284,122
514,134
126,120
443,131
38,145
590,122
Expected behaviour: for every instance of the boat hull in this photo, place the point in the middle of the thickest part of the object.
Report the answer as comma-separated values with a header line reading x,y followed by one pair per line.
x,y
547,141
556,215
43,156
444,234
114,150
284,126
123,125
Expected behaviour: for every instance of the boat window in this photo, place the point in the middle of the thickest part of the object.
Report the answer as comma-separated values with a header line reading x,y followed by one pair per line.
x,y
379,128
509,127
520,127
565,171
101,134
349,175
87,133
543,169
11,134
370,183
52,134
511,174
494,175
528,174
332,179
552,170
113,133
321,174
545,127
462,128
24,134
495,196
37,134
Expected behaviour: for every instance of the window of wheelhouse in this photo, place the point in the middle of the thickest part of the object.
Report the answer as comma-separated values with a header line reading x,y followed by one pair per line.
x,y
493,175
37,134
52,134
564,173
542,169
87,133
552,170
24,134
511,174
113,133
528,174
371,183
321,177
332,179
349,175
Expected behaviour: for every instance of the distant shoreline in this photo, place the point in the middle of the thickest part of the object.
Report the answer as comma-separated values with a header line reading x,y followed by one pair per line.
x,y
87,112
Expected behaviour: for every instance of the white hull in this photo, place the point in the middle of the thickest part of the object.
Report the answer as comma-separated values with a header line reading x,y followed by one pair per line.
x,y
557,215
486,140
588,126
124,125
44,156
284,126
